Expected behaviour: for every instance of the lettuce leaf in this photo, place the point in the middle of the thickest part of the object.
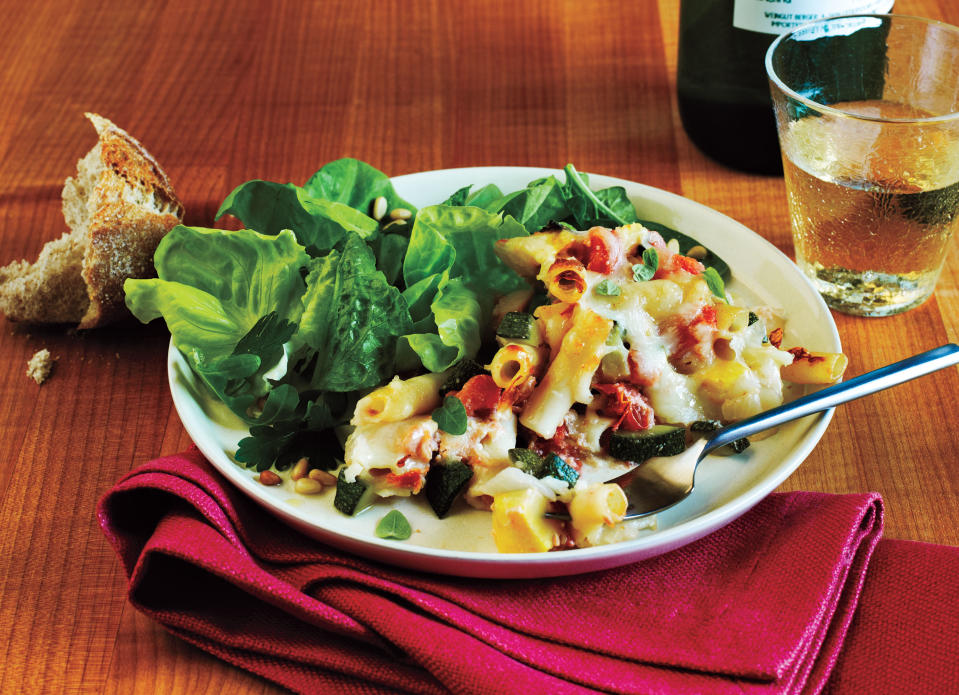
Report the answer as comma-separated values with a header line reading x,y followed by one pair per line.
x,y
221,293
354,183
318,224
351,320
451,267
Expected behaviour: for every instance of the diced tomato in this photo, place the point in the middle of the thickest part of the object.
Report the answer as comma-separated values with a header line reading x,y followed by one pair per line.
x,y
626,403
691,336
599,261
480,395
605,250
408,479
678,263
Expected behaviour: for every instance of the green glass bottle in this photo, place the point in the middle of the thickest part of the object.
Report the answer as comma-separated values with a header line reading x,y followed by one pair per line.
x,y
722,88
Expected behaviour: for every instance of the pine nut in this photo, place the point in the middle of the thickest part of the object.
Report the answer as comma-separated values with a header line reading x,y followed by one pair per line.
x,y
400,214
379,208
395,223
300,469
307,486
697,252
322,477
269,478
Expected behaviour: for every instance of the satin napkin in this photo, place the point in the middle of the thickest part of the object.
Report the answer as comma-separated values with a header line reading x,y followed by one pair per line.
x,y
761,606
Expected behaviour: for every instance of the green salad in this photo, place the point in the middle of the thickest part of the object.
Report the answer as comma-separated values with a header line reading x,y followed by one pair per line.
x,y
337,285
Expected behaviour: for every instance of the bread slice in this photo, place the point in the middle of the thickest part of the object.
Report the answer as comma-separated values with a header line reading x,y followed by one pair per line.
x,y
118,207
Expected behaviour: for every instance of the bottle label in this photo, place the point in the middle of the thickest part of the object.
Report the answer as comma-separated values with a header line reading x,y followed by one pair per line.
x,y
779,16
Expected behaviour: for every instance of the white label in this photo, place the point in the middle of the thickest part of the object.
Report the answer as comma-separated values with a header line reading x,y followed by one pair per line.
x,y
779,16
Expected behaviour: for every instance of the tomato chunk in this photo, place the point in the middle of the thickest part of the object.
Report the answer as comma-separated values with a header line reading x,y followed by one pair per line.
x,y
480,395
626,403
408,479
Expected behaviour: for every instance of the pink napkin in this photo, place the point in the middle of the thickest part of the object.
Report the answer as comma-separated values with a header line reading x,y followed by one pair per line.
x,y
761,606
905,634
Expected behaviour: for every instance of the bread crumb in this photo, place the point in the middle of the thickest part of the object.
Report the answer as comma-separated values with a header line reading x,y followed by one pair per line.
x,y
40,365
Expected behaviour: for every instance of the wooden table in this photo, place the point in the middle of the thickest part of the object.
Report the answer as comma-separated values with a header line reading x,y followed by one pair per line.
x,y
273,90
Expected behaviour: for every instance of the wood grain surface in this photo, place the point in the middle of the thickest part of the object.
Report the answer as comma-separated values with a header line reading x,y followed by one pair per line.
x,y
224,92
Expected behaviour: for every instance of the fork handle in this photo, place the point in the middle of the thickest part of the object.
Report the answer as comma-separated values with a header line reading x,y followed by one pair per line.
x,y
831,396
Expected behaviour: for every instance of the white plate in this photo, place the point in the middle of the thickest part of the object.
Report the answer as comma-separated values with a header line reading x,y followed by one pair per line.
x,y
726,487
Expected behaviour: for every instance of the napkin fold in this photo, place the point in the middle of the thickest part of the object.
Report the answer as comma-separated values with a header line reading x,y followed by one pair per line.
x,y
761,606
905,634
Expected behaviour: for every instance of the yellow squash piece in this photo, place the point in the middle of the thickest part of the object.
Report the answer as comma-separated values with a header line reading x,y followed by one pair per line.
x,y
519,525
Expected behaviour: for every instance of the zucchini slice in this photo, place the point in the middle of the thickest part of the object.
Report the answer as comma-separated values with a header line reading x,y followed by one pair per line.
x,y
517,325
735,447
556,467
462,371
528,461
658,440
444,483
352,498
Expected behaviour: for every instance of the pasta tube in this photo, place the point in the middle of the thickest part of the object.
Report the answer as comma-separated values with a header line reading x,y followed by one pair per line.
x,y
566,280
514,363
593,507
814,367
568,377
400,399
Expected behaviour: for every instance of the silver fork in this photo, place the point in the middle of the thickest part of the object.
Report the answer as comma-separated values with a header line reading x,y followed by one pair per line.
x,y
660,483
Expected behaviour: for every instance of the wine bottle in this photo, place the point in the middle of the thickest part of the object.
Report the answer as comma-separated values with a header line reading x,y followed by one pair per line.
x,y
722,87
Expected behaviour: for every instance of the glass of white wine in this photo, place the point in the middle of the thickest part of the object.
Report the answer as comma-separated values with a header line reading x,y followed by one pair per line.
x,y
867,111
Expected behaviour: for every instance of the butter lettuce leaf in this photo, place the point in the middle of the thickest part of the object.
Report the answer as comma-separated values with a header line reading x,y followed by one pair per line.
x,y
451,267
230,300
458,316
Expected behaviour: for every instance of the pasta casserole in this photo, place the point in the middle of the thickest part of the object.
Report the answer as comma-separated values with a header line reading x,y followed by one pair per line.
x,y
621,349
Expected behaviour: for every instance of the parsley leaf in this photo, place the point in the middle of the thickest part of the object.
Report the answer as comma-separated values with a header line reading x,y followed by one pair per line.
x,y
715,282
607,289
266,338
647,269
451,416
306,432
394,525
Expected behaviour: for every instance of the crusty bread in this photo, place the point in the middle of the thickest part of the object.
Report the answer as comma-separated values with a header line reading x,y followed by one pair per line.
x,y
118,207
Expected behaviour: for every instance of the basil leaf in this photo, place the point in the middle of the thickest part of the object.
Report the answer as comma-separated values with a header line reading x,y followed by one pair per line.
x,y
715,282
394,525
451,416
607,289
647,269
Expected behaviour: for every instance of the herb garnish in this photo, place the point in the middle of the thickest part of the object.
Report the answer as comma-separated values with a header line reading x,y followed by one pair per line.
x,y
647,269
394,525
451,416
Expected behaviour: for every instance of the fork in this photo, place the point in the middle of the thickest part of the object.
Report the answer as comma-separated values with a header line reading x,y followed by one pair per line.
x,y
660,483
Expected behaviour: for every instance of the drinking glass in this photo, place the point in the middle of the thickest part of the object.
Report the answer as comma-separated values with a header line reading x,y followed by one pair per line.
x,y
867,112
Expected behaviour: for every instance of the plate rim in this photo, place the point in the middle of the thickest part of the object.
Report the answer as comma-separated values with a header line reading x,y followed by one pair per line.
x,y
528,565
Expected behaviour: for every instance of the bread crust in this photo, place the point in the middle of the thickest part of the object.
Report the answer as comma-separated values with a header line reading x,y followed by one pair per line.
x,y
122,235
119,207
